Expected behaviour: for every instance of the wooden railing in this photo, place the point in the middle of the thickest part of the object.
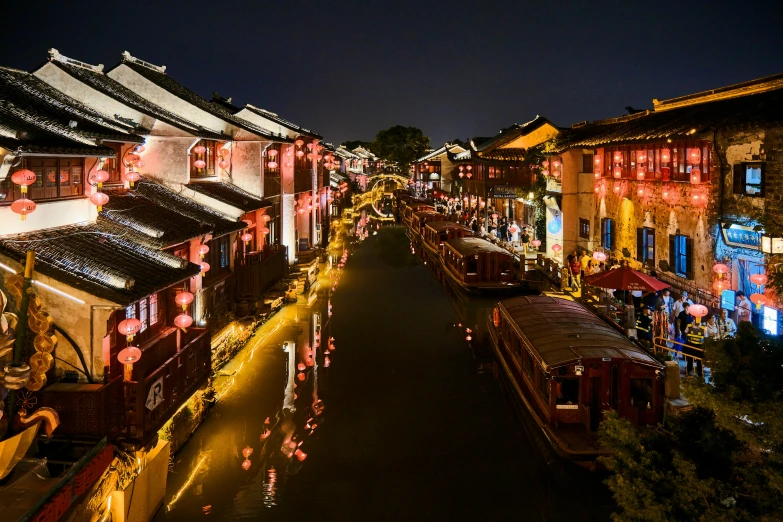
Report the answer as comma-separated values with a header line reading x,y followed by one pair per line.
x,y
256,272
150,402
87,410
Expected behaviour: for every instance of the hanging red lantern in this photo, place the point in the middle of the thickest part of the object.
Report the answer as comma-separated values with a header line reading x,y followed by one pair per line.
x,y
299,143
556,164
129,327
720,269
99,177
698,311
139,149
641,157
694,156
618,156
272,153
266,218
309,146
246,464
758,300
247,452
264,230
131,159
200,164
183,321
140,164
224,152
695,176
299,153
99,199
545,163
247,237
719,286
131,177
183,299
272,165
536,243
299,454
556,248
666,155
204,267
543,173
640,174
758,279
23,178
665,173
201,149
301,366
599,256
202,250
301,376
129,355
23,207
223,164
618,172
640,191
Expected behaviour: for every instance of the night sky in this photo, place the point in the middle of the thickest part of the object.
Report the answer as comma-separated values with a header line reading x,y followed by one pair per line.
x,y
348,69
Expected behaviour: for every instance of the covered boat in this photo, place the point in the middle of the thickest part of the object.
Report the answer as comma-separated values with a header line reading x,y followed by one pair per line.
x,y
436,233
476,265
569,367
419,220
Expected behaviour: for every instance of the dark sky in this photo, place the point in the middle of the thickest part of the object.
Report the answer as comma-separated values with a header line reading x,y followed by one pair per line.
x,y
348,69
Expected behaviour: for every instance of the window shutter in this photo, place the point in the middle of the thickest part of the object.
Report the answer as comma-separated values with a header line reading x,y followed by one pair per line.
x,y
739,174
689,258
640,244
672,253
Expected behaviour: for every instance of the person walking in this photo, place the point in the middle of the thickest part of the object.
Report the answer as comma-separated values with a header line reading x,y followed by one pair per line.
x,y
684,320
525,240
694,340
584,259
576,270
677,307
744,308
644,326
514,231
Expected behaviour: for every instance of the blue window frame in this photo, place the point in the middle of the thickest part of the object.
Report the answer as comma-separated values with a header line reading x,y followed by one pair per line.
x,y
607,233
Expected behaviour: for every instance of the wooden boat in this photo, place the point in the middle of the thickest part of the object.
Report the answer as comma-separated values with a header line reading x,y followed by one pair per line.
x,y
476,265
411,206
419,220
569,367
436,233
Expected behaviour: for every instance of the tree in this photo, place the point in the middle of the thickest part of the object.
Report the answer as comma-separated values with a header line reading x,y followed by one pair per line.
x,y
401,145
720,461
350,145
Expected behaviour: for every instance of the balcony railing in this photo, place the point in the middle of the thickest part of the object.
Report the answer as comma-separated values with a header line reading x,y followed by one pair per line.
x,y
152,400
255,272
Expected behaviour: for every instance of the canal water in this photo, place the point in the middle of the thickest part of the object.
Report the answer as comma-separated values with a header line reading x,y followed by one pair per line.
x,y
390,420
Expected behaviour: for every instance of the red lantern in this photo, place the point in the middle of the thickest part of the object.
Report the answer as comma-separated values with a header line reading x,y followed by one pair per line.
x,y
758,300
719,286
183,321
758,279
543,173
204,267
309,146
129,327
24,178
555,164
99,199
247,452
618,156
131,177
545,163
536,243
556,248
183,299
641,157
131,159
129,355
695,176
616,188
202,250
246,464
694,156
23,207
640,174
698,311
272,165
272,153
247,237
666,155
597,174
301,376
299,143
301,366
665,173
266,218
618,172
299,454
720,269
264,230
201,149
99,177
224,152
200,164
223,164
299,153
640,191
599,256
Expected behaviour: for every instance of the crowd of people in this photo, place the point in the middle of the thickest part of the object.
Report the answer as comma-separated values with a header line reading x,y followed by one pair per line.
x,y
507,231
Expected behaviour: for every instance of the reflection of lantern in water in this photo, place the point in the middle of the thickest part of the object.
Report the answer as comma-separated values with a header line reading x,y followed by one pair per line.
x,y
301,376
246,464
301,455
327,362
265,434
247,451
301,366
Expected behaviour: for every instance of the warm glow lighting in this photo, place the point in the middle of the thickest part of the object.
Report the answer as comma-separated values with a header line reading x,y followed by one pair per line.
x,y
44,285
187,483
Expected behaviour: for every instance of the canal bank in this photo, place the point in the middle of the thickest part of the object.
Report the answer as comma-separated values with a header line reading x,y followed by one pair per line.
x,y
408,428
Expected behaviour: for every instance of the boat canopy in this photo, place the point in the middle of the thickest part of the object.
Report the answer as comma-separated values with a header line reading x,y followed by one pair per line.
x,y
563,332
442,226
468,246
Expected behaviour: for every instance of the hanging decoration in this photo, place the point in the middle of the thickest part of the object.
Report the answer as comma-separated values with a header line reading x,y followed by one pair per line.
x,y
200,163
247,237
183,321
758,279
203,250
98,178
23,206
758,300
129,327
183,299
698,311
599,256
556,248
99,199
720,269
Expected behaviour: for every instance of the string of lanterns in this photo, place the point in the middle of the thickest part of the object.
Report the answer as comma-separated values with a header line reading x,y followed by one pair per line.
x,y
23,206
200,163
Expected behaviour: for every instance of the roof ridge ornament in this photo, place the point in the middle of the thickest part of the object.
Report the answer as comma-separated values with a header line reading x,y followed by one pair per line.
x,y
54,55
128,57
263,110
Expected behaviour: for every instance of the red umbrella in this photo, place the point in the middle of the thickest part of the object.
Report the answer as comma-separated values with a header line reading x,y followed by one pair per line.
x,y
625,279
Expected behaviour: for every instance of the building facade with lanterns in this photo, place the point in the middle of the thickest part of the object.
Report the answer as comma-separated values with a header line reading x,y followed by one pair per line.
x,y
435,170
681,189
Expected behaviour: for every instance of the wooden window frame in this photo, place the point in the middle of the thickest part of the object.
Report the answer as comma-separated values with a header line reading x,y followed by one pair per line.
x,y
584,228
45,189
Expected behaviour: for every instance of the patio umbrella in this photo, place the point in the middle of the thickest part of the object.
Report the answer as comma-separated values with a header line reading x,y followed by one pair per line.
x,y
625,279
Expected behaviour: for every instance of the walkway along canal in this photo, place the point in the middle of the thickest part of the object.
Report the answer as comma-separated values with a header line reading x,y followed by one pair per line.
x,y
399,425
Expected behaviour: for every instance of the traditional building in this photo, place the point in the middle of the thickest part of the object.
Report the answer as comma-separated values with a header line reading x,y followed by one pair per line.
x,y
435,170
677,188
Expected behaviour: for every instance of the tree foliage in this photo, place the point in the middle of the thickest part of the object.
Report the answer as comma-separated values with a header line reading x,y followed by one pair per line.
x,y
350,145
719,461
401,145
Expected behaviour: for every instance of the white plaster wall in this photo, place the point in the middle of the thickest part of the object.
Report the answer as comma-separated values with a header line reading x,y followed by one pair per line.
x,y
47,215
288,233
145,88
265,123
247,165
231,212
166,158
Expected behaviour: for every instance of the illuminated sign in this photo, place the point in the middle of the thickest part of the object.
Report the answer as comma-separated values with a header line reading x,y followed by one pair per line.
x,y
503,191
741,236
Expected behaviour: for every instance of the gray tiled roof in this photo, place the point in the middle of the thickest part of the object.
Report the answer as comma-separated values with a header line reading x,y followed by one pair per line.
x,y
229,194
